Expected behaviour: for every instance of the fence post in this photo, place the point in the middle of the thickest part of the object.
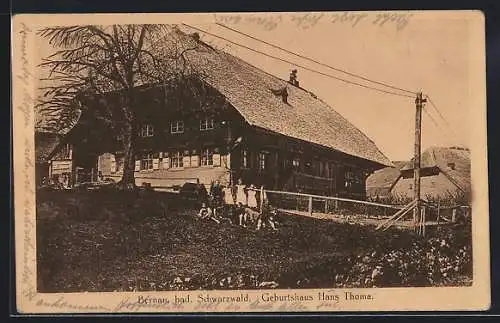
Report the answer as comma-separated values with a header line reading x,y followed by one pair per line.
x,y
336,202
438,212
310,205
326,206
454,215
423,221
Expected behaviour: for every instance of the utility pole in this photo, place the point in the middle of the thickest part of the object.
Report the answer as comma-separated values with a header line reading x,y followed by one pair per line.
x,y
416,160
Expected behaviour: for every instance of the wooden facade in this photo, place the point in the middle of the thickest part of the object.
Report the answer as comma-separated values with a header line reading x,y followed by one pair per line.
x,y
207,139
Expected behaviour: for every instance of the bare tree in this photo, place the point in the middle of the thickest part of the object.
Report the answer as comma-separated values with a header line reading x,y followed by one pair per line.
x,y
102,59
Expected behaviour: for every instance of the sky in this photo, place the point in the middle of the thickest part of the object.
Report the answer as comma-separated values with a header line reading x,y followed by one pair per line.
x,y
413,51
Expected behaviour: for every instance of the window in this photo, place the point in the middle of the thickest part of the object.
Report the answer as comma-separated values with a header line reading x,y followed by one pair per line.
x,y
65,152
177,158
206,124
451,166
147,162
177,127
351,179
296,162
262,161
207,157
244,158
147,130
332,170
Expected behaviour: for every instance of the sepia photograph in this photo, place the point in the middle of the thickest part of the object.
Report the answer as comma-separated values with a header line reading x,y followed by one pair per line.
x,y
230,162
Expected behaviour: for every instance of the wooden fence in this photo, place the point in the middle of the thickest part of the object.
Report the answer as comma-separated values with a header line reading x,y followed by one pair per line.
x,y
279,197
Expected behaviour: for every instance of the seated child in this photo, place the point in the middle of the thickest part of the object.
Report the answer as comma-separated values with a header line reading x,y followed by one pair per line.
x,y
207,214
267,216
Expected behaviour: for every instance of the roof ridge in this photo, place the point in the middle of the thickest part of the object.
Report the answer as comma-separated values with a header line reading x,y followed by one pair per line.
x,y
313,95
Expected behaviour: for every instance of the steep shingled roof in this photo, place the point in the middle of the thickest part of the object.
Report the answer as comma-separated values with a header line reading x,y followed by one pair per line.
x,y
250,91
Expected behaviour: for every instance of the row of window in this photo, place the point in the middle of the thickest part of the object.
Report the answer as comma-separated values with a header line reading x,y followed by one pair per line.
x,y
261,162
352,178
178,159
323,169
147,130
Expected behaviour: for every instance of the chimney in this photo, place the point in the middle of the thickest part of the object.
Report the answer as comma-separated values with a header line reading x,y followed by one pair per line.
x,y
293,78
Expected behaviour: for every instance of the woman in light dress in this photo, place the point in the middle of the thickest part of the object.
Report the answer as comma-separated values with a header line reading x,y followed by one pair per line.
x,y
252,198
241,193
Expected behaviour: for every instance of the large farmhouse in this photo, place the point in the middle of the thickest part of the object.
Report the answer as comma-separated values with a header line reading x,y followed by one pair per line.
x,y
239,123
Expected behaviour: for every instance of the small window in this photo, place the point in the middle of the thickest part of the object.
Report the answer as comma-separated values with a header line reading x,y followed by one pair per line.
x,y
207,157
177,127
147,162
177,159
147,130
350,179
451,166
65,152
411,186
262,161
296,162
206,124
244,158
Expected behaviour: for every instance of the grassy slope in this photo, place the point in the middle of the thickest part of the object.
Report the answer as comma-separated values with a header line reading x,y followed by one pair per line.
x,y
104,242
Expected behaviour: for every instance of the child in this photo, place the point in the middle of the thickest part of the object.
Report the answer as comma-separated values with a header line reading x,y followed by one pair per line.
x,y
252,197
241,194
206,214
242,214
267,216
216,196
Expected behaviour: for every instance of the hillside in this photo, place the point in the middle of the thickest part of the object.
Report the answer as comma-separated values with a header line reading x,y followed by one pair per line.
x,y
110,241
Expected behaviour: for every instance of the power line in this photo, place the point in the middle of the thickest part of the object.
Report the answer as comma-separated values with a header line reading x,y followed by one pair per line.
x,y
436,124
450,135
442,117
315,61
301,66
432,119
439,112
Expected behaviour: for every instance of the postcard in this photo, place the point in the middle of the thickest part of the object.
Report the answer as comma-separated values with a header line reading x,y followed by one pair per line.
x,y
250,162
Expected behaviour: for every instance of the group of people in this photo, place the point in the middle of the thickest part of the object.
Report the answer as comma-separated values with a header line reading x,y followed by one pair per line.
x,y
241,204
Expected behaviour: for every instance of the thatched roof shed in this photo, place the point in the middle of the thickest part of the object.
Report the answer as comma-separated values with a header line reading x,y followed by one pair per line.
x,y
445,172
452,162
